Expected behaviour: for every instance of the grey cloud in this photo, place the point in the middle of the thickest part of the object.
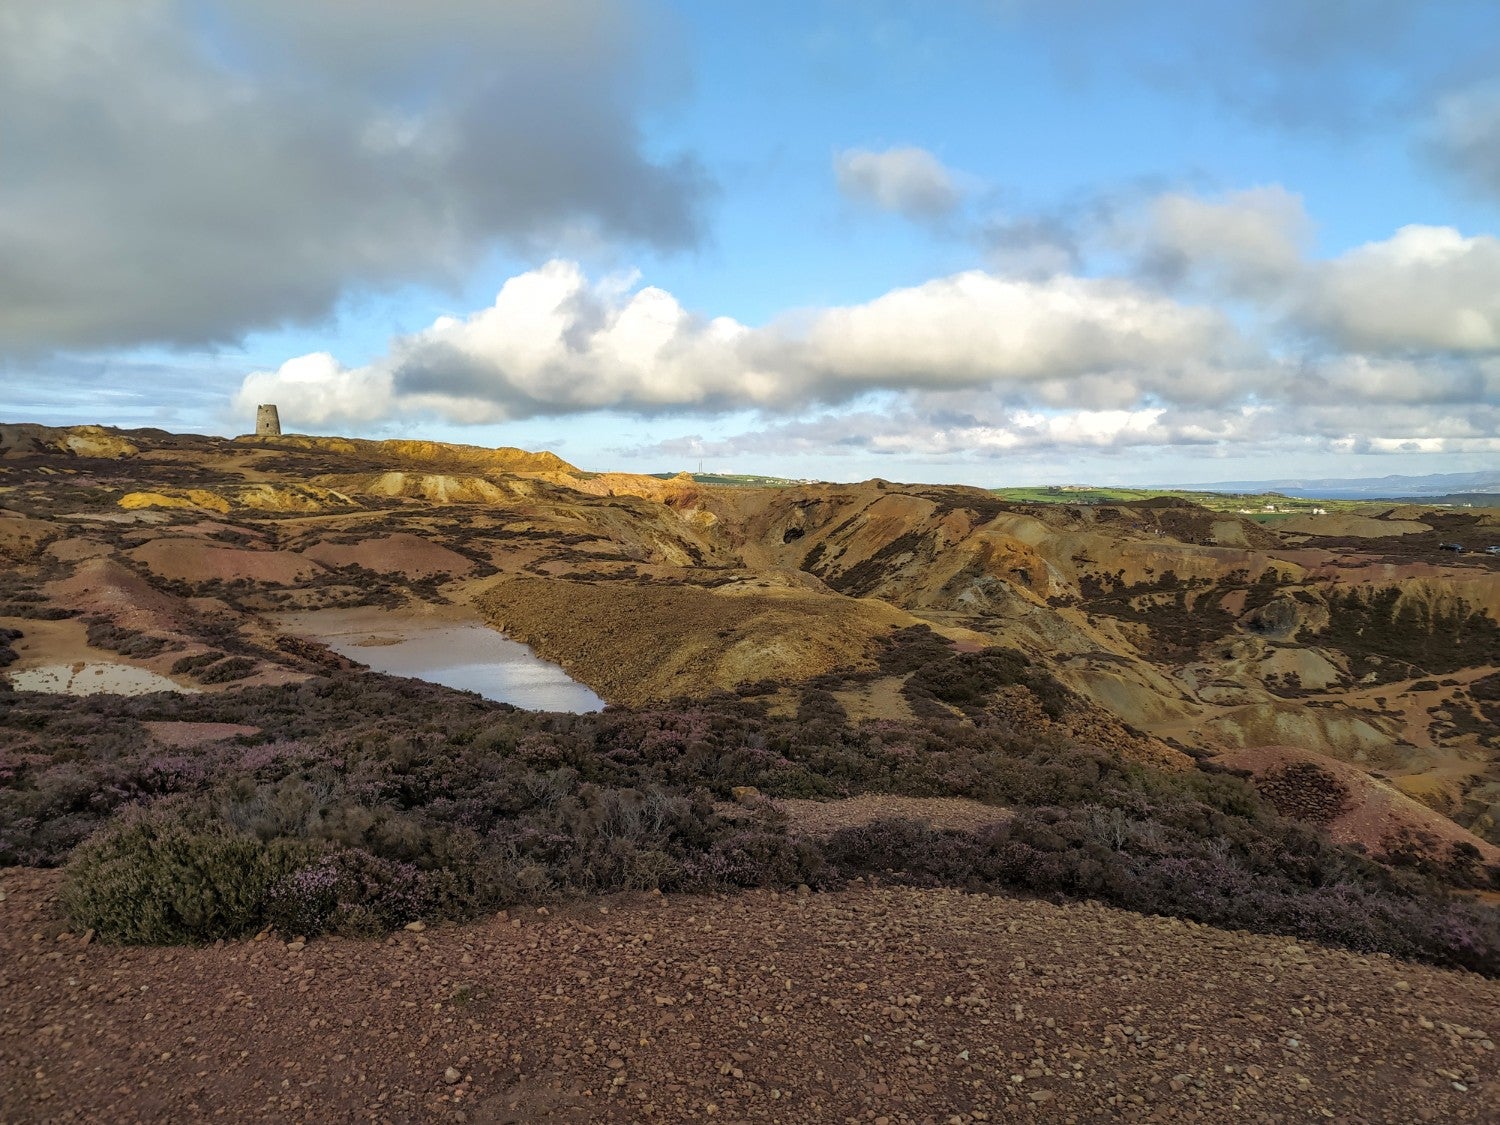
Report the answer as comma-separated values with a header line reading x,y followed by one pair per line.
x,y
1465,136
64,389
1031,246
909,181
902,428
183,174
1333,65
1246,243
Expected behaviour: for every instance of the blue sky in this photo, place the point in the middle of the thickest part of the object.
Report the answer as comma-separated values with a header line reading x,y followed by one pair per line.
x,y
992,242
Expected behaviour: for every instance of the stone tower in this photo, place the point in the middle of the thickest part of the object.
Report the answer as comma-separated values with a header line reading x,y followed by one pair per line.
x,y
267,422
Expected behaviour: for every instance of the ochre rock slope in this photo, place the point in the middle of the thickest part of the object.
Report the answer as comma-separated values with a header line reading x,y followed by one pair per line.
x,y
635,643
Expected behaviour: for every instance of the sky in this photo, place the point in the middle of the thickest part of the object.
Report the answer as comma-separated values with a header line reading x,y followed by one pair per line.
x,y
983,241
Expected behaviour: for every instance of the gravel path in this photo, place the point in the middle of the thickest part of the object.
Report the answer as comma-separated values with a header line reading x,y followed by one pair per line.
x,y
873,1005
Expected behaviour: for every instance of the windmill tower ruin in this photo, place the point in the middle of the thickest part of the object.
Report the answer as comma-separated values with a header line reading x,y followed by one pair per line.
x,y
267,421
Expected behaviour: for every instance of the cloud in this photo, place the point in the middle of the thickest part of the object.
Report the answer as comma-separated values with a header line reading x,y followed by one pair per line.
x,y
555,343
1035,247
1246,242
1337,66
1393,346
1425,289
908,181
1465,136
907,428
181,176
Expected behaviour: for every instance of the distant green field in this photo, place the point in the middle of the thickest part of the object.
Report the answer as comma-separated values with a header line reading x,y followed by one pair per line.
x,y
734,480
1256,506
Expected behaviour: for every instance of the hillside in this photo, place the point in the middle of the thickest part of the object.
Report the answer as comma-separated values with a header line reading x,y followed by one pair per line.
x,y
1200,625
960,710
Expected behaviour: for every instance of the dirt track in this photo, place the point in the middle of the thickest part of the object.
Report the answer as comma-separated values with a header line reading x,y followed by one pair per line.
x,y
877,1004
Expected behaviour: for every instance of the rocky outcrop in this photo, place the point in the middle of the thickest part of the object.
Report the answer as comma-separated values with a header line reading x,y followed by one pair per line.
x,y
79,441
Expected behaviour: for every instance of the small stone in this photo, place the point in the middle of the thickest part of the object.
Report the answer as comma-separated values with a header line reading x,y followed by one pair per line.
x,y
451,1075
416,927
1041,1095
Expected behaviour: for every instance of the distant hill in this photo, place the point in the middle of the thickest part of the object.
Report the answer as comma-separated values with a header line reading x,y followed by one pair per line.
x,y
1357,488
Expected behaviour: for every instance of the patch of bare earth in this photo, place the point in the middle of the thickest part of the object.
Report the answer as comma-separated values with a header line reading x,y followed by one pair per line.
x,y
402,553
189,735
820,818
872,1005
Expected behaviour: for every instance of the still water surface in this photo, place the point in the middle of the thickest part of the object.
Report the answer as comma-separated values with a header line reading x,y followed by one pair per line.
x,y
468,657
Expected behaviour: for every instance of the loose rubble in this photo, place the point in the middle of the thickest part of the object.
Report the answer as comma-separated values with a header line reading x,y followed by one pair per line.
x,y
877,1004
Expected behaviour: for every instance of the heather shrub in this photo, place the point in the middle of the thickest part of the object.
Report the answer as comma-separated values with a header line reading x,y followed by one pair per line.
x,y
8,654
185,664
366,801
757,858
351,892
1149,868
170,874
304,901
232,668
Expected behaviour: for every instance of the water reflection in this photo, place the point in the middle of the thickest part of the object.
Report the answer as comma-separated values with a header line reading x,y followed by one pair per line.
x,y
467,657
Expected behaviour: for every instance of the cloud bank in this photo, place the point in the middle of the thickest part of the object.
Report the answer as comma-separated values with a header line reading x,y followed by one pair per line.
x,y
555,343
1392,346
181,177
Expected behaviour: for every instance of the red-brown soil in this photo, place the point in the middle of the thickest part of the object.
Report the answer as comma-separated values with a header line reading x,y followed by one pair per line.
x,y
393,554
820,818
1374,815
872,1005
194,561
187,735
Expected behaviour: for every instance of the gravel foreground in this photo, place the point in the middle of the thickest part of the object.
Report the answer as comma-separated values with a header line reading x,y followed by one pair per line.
x,y
877,1004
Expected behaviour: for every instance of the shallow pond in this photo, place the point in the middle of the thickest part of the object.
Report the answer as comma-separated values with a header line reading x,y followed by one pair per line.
x,y
457,655
93,678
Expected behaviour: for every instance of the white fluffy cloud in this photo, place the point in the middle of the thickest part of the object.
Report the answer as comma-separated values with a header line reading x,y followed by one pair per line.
x,y
908,181
555,343
1424,289
1392,346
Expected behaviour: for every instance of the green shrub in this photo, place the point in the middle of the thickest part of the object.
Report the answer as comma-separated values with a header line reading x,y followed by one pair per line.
x,y
170,875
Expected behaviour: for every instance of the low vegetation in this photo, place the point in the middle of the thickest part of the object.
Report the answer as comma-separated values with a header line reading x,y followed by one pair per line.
x,y
363,802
